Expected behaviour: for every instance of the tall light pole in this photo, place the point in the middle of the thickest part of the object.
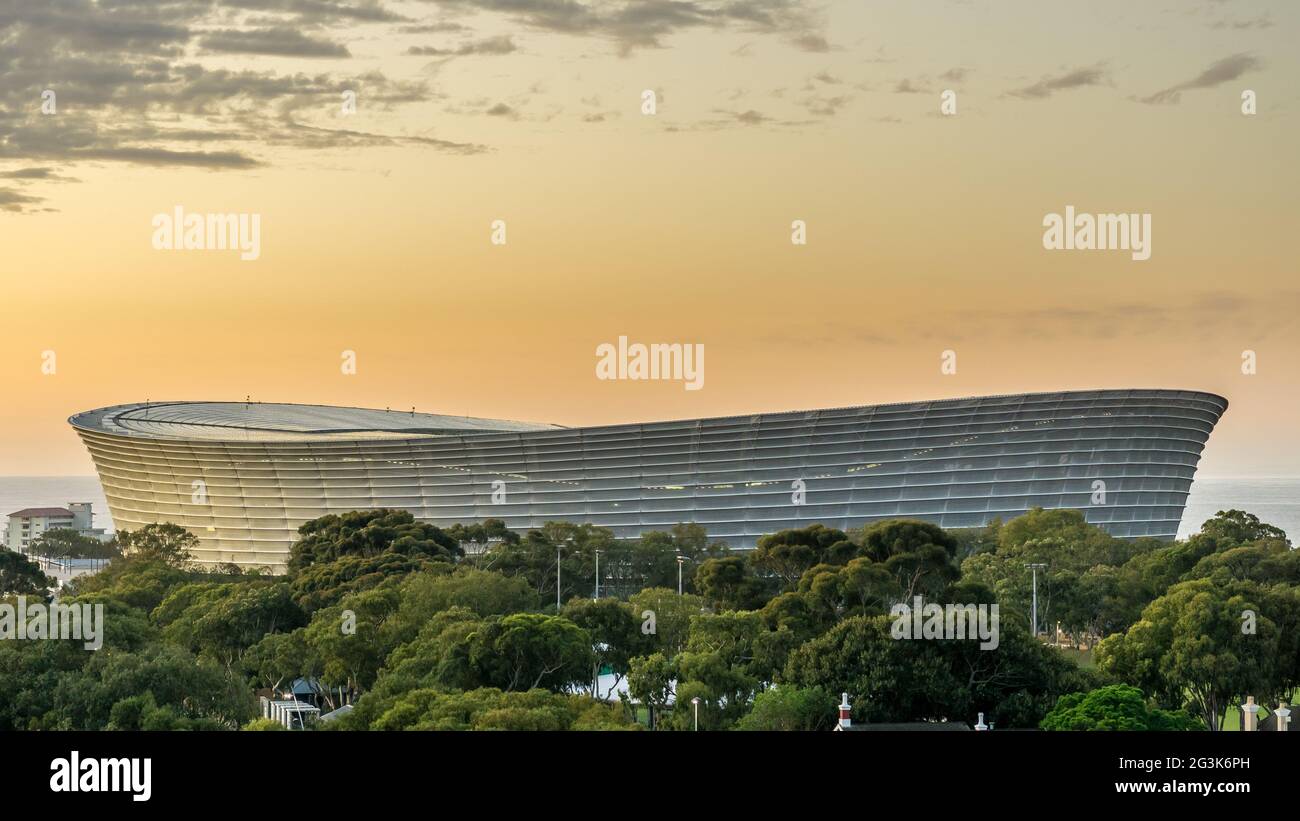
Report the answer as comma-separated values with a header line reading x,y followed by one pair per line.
x,y
680,561
696,701
1034,611
597,596
569,542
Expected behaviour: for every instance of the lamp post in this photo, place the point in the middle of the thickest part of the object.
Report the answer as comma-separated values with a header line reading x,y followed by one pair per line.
x,y
681,560
696,702
1034,566
569,542
597,596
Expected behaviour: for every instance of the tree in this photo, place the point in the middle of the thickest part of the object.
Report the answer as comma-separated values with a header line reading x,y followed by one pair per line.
x,y
935,679
727,583
719,666
485,593
1267,562
21,576
1236,527
438,657
1114,707
669,621
889,680
164,542
785,707
650,681
325,583
788,554
615,632
369,533
136,582
492,709
483,533
1190,647
263,725
652,560
347,638
525,651
183,693
1065,540
220,621
861,587
65,543
919,555
533,558
278,659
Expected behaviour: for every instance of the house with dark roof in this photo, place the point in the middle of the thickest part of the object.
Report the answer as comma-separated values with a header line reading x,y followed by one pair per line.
x,y
846,725
27,525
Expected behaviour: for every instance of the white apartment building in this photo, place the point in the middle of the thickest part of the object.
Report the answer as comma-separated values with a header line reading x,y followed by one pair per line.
x,y
28,524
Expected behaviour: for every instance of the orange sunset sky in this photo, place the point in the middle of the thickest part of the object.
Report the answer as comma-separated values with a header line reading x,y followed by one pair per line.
x,y
924,230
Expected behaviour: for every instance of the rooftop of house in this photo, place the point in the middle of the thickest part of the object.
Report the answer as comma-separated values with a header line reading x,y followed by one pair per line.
x,y
37,512
911,726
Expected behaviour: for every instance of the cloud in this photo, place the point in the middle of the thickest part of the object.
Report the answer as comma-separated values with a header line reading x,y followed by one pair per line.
x,y
155,83
302,135
811,42
492,45
16,202
1261,22
1222,71
906,86
1075,78
646,23
276,42
820,106
751,117
34,174
1213,313
440,27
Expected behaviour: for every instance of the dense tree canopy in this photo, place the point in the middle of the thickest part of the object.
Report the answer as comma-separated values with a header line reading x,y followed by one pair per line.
x,y
20,576
386,613
369,533
166,543
1114,707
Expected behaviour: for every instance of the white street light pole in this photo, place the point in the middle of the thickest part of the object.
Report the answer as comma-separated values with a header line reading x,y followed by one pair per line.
x,y
557,579
597,575
1034,610
680,561
696,701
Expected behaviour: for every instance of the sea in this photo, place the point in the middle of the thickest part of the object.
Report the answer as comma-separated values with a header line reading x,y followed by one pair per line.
x,y
1275,500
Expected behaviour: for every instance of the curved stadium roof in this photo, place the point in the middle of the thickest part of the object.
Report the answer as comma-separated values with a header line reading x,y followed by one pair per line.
x,y
271,421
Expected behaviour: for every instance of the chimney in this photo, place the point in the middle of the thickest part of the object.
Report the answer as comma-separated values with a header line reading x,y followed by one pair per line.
x,y
846,714
980,725
1249,719
1283,716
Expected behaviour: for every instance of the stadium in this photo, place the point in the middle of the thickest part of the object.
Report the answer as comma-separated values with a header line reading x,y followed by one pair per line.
x,y
243,476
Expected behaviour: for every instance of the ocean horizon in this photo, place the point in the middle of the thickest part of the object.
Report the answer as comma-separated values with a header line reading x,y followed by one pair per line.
x,y
1274,499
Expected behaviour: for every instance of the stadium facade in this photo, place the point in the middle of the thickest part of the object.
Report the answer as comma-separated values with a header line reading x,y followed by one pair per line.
x,y
244,476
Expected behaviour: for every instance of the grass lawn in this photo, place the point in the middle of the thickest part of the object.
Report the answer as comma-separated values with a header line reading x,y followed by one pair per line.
x,y
1083,658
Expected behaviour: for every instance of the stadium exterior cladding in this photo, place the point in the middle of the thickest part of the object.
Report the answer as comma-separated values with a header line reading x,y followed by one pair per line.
x,y
243,477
